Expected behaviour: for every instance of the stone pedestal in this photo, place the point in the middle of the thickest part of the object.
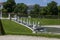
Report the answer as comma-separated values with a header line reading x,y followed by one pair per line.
x,y
38,24
34,24
34,27
18,18
9,16
27,22
21,20
15,17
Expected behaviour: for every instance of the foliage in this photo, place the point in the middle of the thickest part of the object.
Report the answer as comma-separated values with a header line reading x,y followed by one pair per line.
x,y
52,8
36,8
35,11
9,5
43,11
59,10
21,8
4,10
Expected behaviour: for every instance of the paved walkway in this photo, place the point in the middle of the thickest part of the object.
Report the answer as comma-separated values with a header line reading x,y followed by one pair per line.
x,y
56,26
17,37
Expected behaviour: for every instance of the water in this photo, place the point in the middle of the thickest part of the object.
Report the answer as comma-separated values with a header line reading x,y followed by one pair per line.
x,y
50,29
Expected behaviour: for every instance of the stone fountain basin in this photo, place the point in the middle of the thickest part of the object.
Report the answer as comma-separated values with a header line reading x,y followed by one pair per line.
x,y
48,29
52,28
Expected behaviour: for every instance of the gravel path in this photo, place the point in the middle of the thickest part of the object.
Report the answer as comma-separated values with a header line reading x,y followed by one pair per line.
x,y
17,37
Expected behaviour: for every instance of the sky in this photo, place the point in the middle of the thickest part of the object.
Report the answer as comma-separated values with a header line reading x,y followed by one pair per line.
x,y
32,2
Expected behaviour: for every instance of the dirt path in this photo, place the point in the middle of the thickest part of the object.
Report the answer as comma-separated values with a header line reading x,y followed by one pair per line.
x,y
17,37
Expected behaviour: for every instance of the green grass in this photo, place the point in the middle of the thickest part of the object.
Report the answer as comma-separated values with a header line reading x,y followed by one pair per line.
x,y
11,27
50,21
45,21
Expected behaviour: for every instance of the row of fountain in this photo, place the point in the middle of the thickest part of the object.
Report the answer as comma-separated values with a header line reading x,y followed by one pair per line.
x,y
33,25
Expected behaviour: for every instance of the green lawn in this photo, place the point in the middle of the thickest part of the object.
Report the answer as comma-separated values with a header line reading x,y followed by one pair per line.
x,y
45,21
11,27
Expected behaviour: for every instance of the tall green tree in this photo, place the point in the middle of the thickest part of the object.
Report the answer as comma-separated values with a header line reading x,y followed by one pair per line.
x,y
43,11
21,9
4,10
36,10
58,10
9,6
52,8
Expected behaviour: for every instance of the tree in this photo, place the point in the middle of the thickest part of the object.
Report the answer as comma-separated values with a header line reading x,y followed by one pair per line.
x,y
43,11
4,10
36,10
9,5
16,9
52,8
58,10
32,13
21,9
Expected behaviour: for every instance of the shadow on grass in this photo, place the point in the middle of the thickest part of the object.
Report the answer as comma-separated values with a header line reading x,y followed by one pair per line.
x,y
2,32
